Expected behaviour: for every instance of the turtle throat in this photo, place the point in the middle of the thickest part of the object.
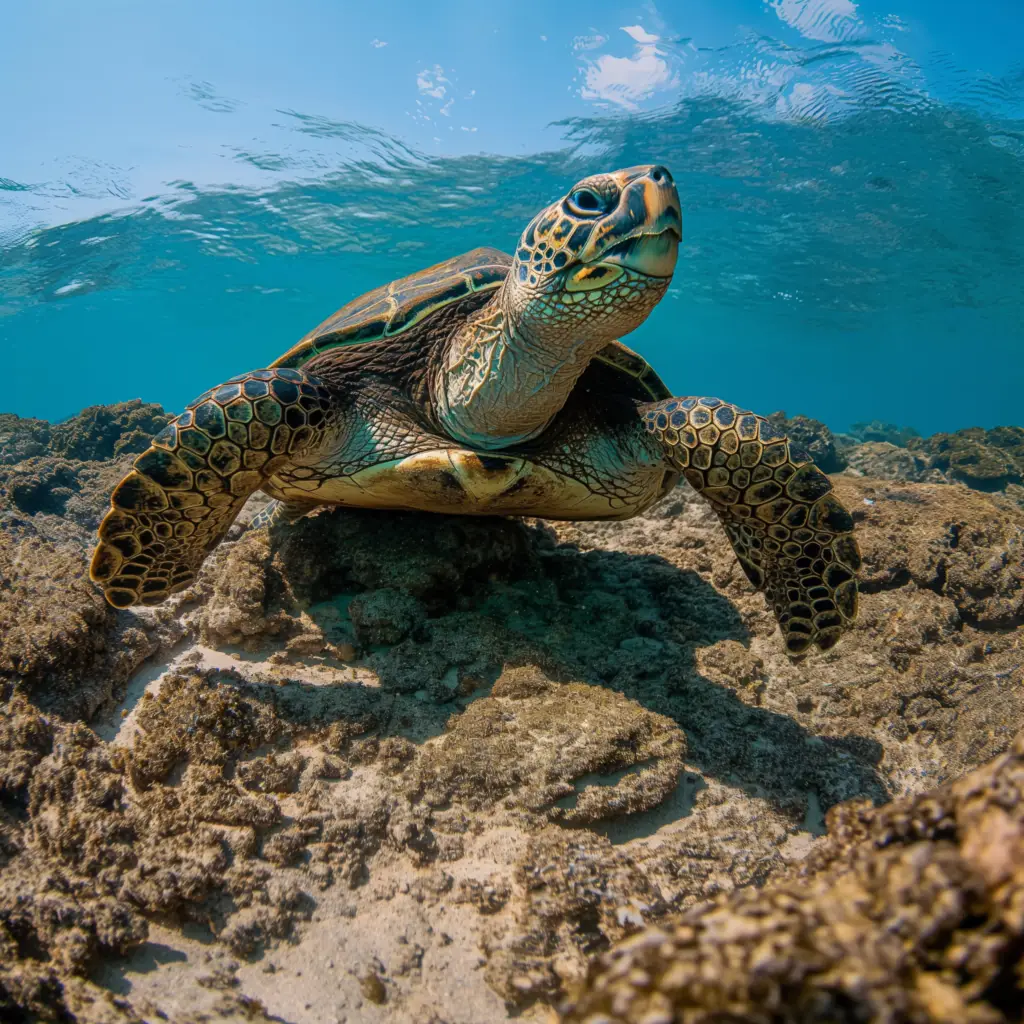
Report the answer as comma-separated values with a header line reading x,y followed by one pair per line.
x,y
502,380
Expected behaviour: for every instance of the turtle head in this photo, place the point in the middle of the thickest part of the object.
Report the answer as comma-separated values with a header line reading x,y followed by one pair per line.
x,y
593,265
588,269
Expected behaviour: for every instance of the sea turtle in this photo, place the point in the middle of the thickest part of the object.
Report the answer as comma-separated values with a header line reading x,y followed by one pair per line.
x,y
493,385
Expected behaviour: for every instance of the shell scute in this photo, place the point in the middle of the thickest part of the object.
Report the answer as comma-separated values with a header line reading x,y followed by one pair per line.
x,y
399,306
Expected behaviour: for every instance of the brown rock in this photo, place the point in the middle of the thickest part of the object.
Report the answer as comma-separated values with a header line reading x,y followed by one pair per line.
x,y
237,611
913,911
986,460
22,438
882,460
53,621
950,540
528,747
108,431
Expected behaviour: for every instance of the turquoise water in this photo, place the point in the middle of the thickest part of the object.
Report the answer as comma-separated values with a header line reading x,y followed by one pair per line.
x,y
852,180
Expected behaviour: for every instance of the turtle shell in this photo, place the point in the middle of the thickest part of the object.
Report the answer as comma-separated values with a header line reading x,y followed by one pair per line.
x,y
399,306
632,364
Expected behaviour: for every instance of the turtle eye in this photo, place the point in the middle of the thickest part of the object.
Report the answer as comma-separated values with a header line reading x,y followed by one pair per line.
x,y
585,202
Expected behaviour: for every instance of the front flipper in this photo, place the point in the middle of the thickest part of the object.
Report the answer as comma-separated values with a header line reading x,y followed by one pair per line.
x,y
185,491
792,536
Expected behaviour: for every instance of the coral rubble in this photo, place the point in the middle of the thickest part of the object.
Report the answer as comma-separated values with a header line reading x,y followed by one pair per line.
x,y
909,912
468,769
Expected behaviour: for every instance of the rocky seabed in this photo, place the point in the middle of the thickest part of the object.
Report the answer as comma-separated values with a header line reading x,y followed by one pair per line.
x,y
457,771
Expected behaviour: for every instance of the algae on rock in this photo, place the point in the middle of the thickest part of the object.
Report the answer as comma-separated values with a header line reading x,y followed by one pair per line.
x,y
909,912
510,745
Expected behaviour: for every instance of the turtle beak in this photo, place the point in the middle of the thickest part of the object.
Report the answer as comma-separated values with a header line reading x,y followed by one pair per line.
x,y
645,231
653,255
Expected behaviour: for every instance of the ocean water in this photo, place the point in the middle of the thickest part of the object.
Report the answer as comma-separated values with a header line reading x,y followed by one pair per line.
x,y
183,195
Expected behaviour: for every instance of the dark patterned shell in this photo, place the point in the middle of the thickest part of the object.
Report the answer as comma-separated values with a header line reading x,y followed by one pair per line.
x,y
402,304
630,363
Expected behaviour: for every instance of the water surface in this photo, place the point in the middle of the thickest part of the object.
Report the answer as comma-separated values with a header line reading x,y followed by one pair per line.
x,y
183,194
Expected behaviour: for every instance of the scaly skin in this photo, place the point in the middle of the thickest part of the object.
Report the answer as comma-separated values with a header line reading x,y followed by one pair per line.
x,y
792,536
186,490
280,513
571,290
459,390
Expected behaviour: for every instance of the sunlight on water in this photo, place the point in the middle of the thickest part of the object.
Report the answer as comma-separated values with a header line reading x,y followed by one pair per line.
x,y
853,234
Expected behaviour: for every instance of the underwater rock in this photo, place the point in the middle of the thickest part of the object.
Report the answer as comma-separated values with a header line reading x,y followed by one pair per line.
x,y
59,640
455,655
882,460
56,479
53,624
509,745
196,721
522,745
886,433
928,682
67,499
235,610
22,438
385,616
963,546
392,571
985,460
102,841
910,911
108,431
580,896
25,739
98,433
435,560
990,461
814,437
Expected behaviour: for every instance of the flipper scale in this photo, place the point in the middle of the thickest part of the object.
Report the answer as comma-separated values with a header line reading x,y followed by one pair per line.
x,y
790,533
185,491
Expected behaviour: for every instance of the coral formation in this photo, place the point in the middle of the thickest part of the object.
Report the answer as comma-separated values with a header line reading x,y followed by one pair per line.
x,y
883,460
52,624
95,854
22,438
887,433
523,742
987,460
98,433
76,492
909,912
984,460
814,437
56,479
432,767
108,431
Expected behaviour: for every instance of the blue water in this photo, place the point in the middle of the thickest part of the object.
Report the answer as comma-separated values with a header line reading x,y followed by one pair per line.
x,y
184,194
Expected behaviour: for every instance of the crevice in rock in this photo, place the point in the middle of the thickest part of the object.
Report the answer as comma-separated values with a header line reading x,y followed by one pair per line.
x,y
898,579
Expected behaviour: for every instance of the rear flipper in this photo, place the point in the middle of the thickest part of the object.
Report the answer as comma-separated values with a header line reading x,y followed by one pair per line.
x,y
177,504
280,513
792,536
